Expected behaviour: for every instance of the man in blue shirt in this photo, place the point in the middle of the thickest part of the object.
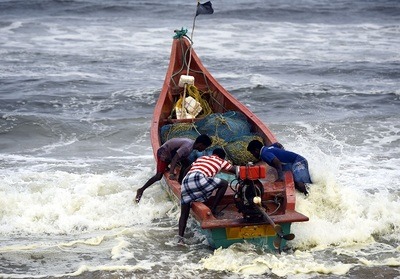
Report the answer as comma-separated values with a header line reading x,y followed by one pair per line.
x,y
279,158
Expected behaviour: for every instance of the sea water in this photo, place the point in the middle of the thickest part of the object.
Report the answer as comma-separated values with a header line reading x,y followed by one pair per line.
x,y
78,84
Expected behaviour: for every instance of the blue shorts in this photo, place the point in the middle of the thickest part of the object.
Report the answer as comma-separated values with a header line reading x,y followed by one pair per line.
x,y
300,170
196,186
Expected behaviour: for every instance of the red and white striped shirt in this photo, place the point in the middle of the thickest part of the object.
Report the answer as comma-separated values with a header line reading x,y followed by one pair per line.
x,y
210,165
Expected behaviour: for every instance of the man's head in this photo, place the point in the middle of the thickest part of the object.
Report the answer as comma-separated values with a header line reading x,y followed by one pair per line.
x,y
254,148
202,142
219,152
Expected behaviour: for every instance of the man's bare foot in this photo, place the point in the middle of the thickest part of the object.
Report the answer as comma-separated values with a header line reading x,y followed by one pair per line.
x,y
302,188
181,240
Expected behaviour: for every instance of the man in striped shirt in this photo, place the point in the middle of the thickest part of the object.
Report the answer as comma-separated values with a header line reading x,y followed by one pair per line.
x,y
200,182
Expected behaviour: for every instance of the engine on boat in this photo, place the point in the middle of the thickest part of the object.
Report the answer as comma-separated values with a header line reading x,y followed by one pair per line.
x,y
245,192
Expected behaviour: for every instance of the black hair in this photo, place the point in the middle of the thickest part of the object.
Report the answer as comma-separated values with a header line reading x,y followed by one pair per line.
x,y
254,144
204,139
219,152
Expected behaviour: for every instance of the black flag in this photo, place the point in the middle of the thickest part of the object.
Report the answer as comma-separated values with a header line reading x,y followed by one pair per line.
x,y
204,9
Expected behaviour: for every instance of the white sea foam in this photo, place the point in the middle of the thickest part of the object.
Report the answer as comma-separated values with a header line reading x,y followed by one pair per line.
x,y
244,260
273,40
59,202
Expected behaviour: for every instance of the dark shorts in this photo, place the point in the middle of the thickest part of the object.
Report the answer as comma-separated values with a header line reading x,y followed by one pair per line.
x,y
196,186
161,165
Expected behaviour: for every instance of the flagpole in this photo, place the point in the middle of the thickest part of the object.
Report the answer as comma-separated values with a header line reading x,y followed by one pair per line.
x,y
194,21
191,39
190,60
200,9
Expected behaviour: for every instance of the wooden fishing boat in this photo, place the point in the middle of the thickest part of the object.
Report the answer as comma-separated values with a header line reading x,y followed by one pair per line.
x,y
270,226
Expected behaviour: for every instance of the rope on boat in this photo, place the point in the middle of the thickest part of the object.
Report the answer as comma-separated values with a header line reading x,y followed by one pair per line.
x,y
197,95
180,33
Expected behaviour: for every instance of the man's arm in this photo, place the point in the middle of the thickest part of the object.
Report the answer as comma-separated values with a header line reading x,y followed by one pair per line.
x,y
278,166
232,169
174,161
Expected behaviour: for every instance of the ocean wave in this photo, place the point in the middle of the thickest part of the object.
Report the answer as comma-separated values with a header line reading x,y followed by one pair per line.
x,y
79,81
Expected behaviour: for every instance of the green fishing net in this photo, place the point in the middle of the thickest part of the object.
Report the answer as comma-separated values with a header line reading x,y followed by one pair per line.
x,y
229,131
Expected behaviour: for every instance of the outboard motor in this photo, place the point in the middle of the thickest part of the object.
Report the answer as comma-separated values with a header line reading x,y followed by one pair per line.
x,y
247,188
248,199
246,191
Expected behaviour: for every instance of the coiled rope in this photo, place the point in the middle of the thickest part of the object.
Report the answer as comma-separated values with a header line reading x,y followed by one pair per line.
x,y
193,92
